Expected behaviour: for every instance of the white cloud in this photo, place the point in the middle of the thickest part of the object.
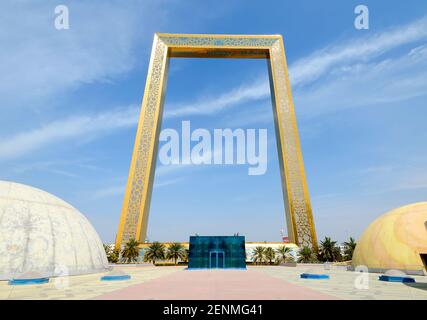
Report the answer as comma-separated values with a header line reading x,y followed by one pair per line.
x,y
403,178
65,129
318,63
214,104
113,191
350,80
166,183
38,61
45,166
119,190
58,167
350,58
367,84
256,114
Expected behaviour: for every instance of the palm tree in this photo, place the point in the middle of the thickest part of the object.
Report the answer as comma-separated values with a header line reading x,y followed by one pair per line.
x,y
107,249
156,251
283,254
269,254
329,251
258,254
349,247
114,256
131,251
175,251
185,256
306,255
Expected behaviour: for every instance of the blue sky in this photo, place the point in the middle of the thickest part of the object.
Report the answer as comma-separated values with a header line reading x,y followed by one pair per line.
x,y
69,102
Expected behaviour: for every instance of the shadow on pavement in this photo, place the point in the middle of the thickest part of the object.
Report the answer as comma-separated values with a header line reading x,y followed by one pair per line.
x,y
422,286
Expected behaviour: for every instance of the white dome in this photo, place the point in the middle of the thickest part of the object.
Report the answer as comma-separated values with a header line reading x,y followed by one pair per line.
x,y
43,235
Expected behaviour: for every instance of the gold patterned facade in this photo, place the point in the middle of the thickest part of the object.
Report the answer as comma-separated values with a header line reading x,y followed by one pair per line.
x,y
136,205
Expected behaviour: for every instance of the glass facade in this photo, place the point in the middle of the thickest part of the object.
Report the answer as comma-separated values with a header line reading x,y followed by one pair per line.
x,y
217,252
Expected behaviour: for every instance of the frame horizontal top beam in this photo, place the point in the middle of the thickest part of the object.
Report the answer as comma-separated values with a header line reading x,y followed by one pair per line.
x,y
179,52
218,46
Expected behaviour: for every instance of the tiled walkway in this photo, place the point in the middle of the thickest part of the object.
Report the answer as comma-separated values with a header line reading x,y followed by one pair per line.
x,y
82,287
342,284
217,285
258,282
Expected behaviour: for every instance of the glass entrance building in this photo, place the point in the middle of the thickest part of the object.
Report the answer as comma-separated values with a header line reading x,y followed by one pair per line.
x,y
217,252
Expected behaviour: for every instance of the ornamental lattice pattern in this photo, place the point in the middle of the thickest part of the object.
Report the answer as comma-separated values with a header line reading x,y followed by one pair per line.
x,y
145,143
212,42
299,202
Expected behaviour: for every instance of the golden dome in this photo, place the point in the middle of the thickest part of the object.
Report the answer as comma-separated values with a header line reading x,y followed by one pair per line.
x,y
395,240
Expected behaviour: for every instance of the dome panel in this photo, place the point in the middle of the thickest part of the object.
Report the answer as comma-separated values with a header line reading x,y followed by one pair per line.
x,y
395,240
42,234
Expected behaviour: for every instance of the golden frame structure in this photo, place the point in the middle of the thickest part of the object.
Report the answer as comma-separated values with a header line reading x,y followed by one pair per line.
x,y
136,204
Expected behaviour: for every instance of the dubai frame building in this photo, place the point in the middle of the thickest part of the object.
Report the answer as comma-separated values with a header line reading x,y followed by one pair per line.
x,y
136,204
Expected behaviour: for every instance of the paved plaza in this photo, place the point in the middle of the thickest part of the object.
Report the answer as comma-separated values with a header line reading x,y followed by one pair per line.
x,y
257,282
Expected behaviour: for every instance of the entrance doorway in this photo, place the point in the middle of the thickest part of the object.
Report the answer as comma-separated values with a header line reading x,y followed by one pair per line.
x,y
216,259
217,252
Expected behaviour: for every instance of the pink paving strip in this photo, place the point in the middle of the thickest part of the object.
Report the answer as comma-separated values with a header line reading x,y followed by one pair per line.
x,y
216,285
